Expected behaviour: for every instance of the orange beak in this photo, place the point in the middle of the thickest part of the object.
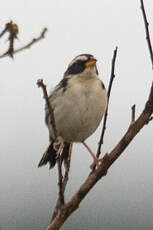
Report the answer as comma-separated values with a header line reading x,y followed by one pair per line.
x,y
91,62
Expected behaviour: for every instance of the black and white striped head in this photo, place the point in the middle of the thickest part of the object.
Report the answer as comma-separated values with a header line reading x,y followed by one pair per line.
x,y
80,64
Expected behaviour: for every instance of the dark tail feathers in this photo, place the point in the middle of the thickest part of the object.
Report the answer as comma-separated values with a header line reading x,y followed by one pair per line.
x,y
50,156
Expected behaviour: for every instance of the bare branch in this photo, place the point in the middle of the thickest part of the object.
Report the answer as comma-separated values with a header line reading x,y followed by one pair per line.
x,y
143,119
146,23
60,181
63,184
51,111
34,40
5,29
108,93
11,50
3,32
67,168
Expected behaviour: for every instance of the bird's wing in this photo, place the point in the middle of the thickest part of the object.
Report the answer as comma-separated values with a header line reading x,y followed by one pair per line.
x,y
57,92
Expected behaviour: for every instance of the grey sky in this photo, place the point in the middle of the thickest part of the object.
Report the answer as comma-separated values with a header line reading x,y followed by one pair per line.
x,y
124,199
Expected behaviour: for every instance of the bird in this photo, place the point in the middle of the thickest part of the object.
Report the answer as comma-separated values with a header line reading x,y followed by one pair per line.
x,y
79,103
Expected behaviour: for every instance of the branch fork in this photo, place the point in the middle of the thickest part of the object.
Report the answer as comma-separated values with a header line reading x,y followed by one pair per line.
x,y
13,30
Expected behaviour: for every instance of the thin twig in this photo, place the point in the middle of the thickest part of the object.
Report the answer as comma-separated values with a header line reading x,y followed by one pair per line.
x,y
5,29
133,114
60,181
67,168
3,32
64,183
112,76
51,111
146,23
34,40
52,119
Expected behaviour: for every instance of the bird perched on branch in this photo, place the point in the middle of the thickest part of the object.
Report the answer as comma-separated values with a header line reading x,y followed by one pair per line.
x,y
79,102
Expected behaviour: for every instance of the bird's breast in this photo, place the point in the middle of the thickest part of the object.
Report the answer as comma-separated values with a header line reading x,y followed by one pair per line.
x,y
79,111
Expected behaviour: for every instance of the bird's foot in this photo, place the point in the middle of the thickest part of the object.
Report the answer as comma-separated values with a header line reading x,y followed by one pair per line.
x,y
96,160
96,163
58,145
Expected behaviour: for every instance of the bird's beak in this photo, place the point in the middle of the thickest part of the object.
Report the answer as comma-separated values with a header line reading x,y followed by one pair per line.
x,y
91,62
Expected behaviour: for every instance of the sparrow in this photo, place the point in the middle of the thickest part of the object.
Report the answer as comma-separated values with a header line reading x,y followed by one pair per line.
x,y
79,102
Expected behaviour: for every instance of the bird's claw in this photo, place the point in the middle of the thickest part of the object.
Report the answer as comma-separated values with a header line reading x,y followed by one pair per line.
x,y
58,145
96,163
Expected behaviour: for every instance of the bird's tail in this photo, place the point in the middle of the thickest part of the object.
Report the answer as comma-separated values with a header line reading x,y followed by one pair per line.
x,y
50,156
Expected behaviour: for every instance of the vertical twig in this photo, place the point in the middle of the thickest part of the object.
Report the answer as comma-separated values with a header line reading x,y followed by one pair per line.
x,y
67,168
63,184
4,30
133,114
51,111
112,76
60,181
146,23
13,30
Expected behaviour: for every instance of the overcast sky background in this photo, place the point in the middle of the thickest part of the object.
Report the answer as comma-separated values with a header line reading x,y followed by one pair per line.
x,y
124,198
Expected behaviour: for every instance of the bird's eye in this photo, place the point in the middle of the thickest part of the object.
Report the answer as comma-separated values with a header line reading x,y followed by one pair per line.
x,y
77,67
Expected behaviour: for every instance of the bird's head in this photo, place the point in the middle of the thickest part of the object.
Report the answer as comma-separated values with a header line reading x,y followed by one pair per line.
x,y
82,65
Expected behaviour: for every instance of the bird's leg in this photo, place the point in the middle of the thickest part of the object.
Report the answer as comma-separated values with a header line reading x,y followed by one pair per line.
x,y
96,160
58,145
